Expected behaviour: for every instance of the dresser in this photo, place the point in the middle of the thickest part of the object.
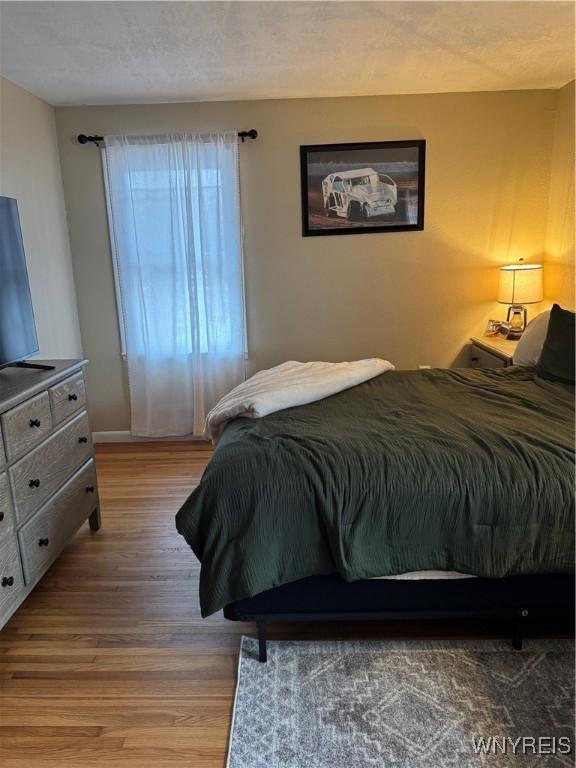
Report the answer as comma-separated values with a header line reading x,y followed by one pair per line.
x,y
48,485
492,352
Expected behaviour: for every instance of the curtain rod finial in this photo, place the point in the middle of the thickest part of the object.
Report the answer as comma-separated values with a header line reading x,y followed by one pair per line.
x,y
251,134
83,139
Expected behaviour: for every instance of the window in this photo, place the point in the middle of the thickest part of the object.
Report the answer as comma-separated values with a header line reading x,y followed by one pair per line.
x,y
174,215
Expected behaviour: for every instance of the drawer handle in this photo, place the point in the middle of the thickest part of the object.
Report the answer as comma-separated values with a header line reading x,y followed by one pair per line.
x,y
90,489
1,516
82,439
73,397
7,581
34,483
35,422
43,542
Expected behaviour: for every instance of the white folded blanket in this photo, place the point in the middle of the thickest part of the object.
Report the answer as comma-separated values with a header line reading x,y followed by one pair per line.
x,y
287,385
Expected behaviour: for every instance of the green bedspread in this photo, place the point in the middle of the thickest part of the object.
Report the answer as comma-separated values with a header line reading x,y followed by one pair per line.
x,y
463,470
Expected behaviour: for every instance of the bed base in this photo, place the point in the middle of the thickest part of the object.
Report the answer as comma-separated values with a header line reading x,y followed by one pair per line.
x,y
518,623
522,602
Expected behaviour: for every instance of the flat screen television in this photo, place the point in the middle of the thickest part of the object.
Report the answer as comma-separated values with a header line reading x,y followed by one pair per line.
x,y
18,338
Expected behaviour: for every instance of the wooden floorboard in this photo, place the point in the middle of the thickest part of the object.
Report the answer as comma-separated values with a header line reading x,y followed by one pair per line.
x,y
108,662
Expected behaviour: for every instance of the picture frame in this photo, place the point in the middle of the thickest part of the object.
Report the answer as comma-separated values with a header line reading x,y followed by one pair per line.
x,y
362,188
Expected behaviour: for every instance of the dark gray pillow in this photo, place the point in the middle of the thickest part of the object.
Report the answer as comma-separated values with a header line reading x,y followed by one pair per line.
x,y
557,359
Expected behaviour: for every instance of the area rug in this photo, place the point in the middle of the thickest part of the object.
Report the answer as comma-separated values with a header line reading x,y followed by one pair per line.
x,y
409,704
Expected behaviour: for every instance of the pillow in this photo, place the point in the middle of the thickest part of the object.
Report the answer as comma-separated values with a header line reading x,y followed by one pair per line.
x,y
557,359
529,347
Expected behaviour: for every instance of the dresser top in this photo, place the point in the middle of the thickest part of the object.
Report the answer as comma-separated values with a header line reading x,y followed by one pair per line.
x,y
19,384
498,345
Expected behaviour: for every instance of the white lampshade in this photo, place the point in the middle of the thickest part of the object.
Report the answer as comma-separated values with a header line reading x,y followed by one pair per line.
x,y
520,284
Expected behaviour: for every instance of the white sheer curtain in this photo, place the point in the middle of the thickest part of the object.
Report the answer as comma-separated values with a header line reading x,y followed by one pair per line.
x,y
175,230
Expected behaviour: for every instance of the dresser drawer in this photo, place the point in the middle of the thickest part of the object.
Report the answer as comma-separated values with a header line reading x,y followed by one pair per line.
x,y
44,535
12,586
67,397
39,474
27,425
481,358
2,454
6,517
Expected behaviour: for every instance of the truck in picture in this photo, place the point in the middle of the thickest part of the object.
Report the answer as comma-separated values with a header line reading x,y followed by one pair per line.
x,y
359,195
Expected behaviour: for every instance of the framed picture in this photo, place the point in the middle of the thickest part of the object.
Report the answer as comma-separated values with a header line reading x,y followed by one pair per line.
x,y
352,189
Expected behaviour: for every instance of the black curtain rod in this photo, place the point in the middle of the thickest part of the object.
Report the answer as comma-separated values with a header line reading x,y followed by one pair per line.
x,y
243,135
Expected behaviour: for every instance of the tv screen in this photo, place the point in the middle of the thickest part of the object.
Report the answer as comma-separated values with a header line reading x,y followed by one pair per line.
x,y
17,329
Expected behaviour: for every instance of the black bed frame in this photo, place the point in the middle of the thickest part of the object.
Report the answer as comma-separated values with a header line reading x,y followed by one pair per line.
x,y
524,603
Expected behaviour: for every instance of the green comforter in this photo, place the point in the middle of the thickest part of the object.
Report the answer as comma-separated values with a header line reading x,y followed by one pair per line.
x,y
465,470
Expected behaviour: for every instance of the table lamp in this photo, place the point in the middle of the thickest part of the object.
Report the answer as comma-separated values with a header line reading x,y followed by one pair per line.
x,y
520,284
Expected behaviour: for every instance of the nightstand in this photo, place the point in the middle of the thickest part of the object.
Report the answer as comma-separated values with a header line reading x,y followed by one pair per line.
x,y
492,352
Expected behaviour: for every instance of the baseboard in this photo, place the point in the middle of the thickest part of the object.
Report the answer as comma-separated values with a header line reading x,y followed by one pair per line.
x,y
124,436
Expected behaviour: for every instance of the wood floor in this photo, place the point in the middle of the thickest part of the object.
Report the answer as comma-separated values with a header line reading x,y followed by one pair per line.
x,y
108,663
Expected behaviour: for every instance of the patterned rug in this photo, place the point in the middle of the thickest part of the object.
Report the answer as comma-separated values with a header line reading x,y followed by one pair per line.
x,y
410,704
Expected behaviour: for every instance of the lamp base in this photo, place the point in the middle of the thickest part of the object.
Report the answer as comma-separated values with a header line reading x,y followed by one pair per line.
x,y
517,317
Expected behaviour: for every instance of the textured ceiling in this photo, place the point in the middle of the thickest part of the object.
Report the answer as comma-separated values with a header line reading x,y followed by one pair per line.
x,y
130,52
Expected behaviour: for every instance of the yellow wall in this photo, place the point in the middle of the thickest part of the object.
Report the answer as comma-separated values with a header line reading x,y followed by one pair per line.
x,y
30,172
559,262
411,297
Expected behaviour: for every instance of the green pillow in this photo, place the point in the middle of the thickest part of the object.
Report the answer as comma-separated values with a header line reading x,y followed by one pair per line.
x,y
557,359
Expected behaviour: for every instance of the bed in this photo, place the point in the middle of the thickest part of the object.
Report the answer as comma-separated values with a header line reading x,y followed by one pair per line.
x,y
308,512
